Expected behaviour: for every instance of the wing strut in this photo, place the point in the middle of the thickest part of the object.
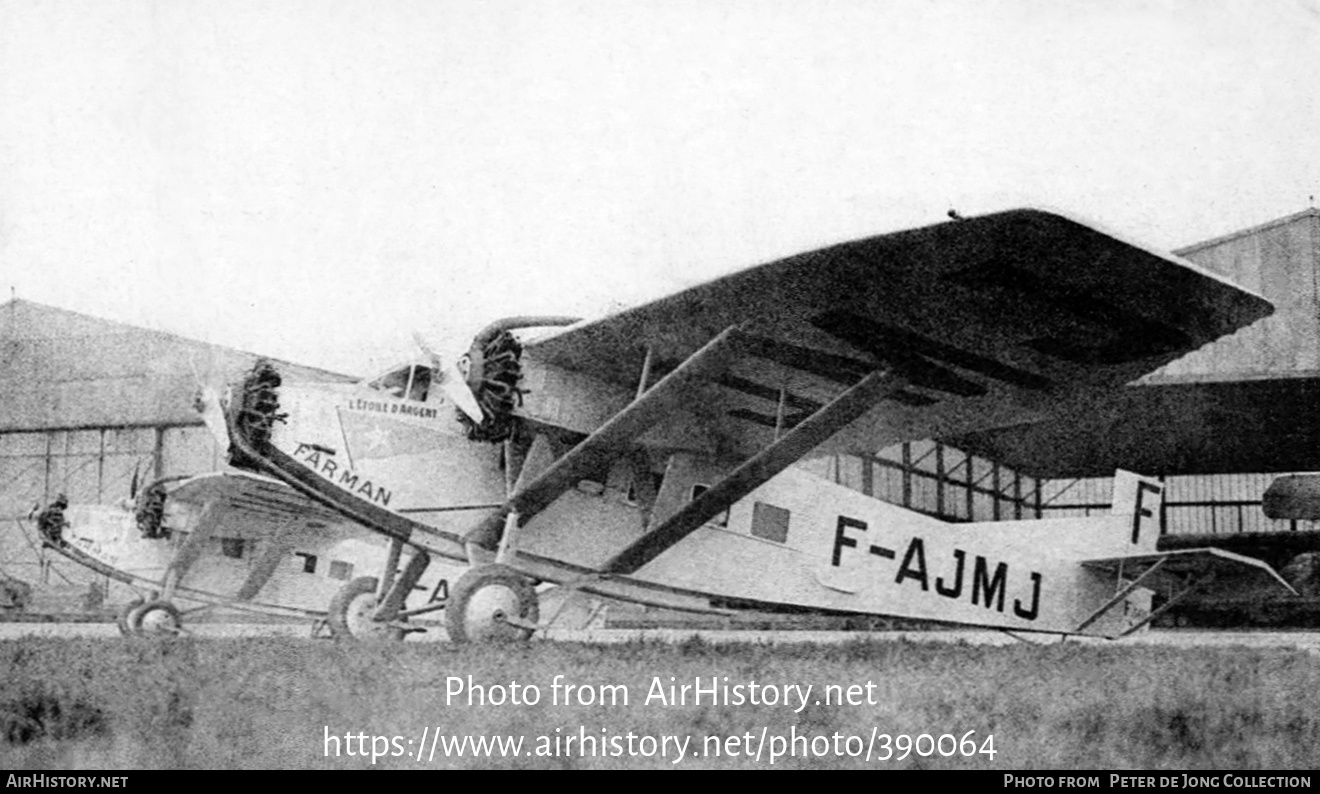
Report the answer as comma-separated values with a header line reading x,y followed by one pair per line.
x,y
1188,588
401,585
191,548
757,470
1181,573
1121,595
275,552
1189,584
649,408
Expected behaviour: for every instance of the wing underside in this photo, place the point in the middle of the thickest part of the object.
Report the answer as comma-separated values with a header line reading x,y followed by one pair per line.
x,y
988,322
239,505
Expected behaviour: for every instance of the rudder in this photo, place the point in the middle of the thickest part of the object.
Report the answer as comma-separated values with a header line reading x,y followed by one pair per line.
x,y
1138,499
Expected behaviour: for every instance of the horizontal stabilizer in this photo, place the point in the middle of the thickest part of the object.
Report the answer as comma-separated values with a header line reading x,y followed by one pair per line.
x,y
1173,570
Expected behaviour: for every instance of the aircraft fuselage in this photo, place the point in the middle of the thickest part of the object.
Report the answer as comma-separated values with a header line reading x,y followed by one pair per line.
x,y
798,541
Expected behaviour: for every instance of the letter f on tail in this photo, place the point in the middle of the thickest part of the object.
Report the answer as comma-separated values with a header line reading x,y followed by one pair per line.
x,y
1138,499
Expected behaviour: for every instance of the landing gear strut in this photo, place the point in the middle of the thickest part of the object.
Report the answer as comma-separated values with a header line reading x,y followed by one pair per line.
x,y
492,602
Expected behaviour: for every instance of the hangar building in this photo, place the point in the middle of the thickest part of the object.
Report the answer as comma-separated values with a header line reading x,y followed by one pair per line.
x,y
85,405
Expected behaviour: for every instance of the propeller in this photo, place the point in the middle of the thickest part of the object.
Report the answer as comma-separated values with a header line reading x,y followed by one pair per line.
x,y
453,382
211,405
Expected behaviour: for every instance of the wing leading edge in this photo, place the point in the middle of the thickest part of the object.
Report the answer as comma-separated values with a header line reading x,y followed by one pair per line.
x,y
981,323
248,505
989,321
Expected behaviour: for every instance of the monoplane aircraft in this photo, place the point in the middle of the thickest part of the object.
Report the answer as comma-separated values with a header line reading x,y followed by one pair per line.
x,y
647,456
239,541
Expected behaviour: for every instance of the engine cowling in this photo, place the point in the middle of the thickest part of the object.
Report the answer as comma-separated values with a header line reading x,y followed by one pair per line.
x,y
494,370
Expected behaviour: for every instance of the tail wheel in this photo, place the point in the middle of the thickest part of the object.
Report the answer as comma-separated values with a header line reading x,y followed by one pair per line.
x,y
126,615
155,618
481,600
349,614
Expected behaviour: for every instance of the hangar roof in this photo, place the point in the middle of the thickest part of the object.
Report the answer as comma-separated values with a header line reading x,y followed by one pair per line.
x,y
62,369
1247,403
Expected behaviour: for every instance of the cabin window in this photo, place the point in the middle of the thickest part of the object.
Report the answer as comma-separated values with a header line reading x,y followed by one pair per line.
x,y
770,522
309,561
420,384
721,520
412,383
232,547
392,383
341,570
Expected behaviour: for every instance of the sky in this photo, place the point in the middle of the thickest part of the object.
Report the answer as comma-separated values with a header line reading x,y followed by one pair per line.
x,y
317,181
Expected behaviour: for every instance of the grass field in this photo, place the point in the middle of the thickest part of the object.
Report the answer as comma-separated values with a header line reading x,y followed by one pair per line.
x,y
270,703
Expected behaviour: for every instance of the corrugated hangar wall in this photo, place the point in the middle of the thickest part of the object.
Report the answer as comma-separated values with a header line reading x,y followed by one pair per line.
x,y
933,478
1281,261
85,405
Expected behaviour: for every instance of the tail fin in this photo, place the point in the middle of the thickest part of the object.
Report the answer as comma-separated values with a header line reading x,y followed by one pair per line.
x,y
1139,500
1107,602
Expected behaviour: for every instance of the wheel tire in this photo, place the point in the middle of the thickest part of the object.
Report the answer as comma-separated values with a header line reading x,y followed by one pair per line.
x,y
155,619
125,615
349,614
481,595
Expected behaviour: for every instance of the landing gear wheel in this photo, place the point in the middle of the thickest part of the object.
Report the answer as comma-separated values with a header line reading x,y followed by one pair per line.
x,y
125,615
155,618
350,613
482,597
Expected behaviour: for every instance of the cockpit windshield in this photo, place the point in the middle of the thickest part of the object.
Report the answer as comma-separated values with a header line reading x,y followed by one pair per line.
x,y
412,382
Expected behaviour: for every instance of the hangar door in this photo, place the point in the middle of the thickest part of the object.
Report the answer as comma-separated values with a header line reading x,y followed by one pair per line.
x,y
96,466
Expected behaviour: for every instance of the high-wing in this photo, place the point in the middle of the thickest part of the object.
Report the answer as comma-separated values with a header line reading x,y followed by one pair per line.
x,y
986,322
246,506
